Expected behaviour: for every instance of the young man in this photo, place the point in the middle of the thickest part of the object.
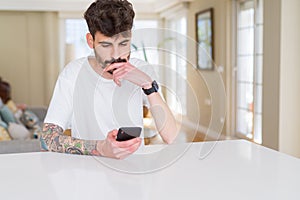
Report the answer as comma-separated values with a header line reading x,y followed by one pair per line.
x,y
96,95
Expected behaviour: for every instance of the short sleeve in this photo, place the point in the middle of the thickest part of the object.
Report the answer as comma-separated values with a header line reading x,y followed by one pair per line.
x,y
60,108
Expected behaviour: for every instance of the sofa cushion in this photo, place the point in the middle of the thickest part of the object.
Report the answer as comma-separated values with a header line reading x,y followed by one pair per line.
x,y
7,115
3,124
29,119
11,105
18,131
4,136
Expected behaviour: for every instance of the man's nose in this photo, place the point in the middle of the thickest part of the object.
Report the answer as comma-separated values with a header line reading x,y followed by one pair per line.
x,y
115,53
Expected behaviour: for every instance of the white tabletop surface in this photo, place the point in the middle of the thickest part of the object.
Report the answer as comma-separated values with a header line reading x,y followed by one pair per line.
x,y
215,170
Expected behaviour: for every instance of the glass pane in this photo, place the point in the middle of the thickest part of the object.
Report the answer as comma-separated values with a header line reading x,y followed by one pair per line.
x,y
142,53
140,24
258,99
245,68
258,128
76,45
246,14
259,69
176,45
246,41
181,64
244,122
259,39
249,44
259,12
245,96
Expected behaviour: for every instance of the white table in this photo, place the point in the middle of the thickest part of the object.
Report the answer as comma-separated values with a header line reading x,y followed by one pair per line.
x,y
231,170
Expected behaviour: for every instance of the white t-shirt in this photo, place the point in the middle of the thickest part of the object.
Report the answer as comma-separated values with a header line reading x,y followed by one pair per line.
x,y
91,105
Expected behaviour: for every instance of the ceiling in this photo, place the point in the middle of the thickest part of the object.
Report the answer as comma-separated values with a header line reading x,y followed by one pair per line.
x,y
140,6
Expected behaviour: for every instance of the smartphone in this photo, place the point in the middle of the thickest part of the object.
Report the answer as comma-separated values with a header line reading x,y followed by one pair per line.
x,y
127,133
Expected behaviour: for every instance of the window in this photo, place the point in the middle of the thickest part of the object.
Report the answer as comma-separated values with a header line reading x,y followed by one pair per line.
x,y
75,39
176,61
249,69
149,55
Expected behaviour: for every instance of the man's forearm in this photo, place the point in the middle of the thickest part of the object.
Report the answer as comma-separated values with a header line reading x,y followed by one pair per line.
x,y
53,139
163,117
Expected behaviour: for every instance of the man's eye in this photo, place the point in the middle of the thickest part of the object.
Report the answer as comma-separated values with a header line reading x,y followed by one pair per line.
x,y
105,45
124,44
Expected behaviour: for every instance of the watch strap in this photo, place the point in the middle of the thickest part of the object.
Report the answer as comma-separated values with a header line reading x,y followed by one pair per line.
x,y
154,88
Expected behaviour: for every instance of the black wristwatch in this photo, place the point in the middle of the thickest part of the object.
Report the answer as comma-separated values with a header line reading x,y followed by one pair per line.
x,y
154,88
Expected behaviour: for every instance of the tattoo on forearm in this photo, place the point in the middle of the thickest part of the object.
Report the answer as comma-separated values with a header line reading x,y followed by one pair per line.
x,y
52,139
49,128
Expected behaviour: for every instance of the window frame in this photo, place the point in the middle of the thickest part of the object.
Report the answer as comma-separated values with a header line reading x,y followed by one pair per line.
x,y
235,82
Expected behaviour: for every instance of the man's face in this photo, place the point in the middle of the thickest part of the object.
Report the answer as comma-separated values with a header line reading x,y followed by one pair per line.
x,y
108,49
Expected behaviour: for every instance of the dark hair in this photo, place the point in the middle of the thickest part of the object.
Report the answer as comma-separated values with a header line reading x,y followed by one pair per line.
x,y
109,17
5,91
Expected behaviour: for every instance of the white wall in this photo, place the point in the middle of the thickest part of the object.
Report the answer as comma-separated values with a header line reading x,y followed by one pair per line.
x,y
220,52
271,74
289,127
281,80
28,55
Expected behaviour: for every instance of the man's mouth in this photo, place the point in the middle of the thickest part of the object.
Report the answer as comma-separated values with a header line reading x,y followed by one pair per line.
x,y
119,60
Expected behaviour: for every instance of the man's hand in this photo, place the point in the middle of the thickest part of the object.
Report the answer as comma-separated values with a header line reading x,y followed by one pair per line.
x,y
119,150
129,72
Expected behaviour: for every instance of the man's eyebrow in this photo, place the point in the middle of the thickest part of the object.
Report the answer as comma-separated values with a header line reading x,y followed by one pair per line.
x,y
127,40
104,42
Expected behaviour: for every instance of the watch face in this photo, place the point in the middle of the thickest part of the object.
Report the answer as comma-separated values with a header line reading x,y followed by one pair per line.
x,y
155,86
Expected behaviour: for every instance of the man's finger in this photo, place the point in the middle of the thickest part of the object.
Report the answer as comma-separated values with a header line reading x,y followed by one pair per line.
x,y
112,134
113,66
128,151
133,147
128,143
123,155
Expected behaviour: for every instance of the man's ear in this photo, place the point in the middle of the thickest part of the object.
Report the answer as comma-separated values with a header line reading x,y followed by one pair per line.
x,y
90,40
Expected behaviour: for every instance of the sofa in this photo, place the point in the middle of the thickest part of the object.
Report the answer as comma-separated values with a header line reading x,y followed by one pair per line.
x,y
29,145
19,124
